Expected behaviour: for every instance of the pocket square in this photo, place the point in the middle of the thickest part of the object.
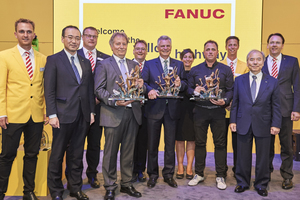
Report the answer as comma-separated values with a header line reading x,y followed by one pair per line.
x,y
42,69
99,58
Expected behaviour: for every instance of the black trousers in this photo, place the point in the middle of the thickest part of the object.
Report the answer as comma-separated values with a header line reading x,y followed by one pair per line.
x,y
215,118
71,136
93,146
10,143
286,152
244,160
234,144
154,131
140,150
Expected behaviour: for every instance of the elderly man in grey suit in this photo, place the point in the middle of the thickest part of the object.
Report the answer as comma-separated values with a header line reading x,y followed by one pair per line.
x,y
120,119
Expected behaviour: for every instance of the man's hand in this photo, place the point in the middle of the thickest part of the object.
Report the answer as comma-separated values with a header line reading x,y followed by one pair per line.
x,y
295,116
199,89
54,122
274,130
140,82
92,119
123,103
233,127
177,82
229,107
3,122
97,101
219,102
152,94
46,119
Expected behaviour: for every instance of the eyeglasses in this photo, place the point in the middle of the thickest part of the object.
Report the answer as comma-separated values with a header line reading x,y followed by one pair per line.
x,y
140,49
91,36
71,37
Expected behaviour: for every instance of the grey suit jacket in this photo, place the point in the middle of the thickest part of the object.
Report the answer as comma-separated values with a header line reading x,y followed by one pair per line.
x,y
106,74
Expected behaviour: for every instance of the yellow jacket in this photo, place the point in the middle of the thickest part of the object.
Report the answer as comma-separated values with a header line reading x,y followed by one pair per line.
x,y
241,68
21,97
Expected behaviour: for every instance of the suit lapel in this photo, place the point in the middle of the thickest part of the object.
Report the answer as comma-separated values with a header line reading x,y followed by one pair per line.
x,y
66,62
263,86
246,83
36,60
19,59
115,66
283,63
265,68
83,67
159,67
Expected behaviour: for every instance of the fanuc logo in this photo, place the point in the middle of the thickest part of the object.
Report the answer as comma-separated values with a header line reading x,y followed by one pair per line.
x,y
195,14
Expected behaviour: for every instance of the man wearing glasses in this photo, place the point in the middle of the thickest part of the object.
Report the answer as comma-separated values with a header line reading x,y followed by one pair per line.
x,y
89,51
70,104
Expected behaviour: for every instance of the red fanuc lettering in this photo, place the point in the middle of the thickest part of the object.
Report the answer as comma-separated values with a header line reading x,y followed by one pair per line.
x,y
179,13
190,12
194,14
168,12
215,13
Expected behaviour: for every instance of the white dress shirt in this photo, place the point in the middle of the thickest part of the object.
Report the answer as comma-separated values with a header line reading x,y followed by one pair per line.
x,y
86,54
31,56
270,62
76,61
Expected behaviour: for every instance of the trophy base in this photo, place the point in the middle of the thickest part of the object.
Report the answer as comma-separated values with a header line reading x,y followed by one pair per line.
x,y
127,99
169,97
206,98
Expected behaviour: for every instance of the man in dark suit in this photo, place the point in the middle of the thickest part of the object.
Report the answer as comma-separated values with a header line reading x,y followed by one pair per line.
x,y
89,51
286,70
162,111
120,119
140,150
70,104
210,113
255,112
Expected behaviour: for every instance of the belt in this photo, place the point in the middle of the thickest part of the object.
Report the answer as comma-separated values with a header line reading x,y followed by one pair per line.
x,y
208,107
127,108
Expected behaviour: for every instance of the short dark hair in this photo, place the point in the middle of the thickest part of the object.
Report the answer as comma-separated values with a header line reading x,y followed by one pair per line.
x,y
277,34
211,41
115,34
70,26
140,41
22,20
185,51
232,38
91,28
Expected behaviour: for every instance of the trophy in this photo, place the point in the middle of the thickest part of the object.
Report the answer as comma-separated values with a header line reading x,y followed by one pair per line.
x,y
211,89
129,89
168,89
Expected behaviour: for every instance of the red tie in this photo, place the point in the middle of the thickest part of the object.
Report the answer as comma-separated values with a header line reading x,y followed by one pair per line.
x,y
91,60
231,67
274,68
29,65
140,65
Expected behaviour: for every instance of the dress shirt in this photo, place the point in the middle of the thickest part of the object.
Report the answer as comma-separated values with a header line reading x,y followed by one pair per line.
x,y
258,81
234,63
168,63
270,63
76,61
139,63
86,54
31,56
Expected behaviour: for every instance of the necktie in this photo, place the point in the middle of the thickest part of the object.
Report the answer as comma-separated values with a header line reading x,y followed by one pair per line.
x,y
253,88
29,65
274,68
166,67
91,60
231,67
140,65
123,70
75,70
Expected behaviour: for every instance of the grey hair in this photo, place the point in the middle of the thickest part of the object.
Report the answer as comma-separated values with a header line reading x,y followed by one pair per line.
x,y
122,34
163,37
255,50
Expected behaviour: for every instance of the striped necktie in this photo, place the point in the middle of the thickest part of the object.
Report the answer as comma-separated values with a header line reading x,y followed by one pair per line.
x,y
91,60
166,67
75,69
28,65
231,67
274,68
140,65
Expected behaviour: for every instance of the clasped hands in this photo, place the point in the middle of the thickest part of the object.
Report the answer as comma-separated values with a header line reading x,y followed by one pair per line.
x,y
153,93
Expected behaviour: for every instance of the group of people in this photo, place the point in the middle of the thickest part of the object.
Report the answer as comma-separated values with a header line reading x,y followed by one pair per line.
x,y
73,90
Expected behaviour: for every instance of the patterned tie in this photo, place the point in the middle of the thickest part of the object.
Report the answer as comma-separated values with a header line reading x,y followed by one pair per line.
x,y
253,88
166,67
274,68
123,70
28,65
75,70
231,67
140,65
91,60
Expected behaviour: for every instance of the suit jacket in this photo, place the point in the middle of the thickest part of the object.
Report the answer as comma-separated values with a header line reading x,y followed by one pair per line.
x,y
107,72
64,95
20,97
100,56
289,85
155,108
261,114
241,68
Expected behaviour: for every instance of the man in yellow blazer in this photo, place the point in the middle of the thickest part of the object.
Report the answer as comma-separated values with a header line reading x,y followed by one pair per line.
x,y
22,106
238,68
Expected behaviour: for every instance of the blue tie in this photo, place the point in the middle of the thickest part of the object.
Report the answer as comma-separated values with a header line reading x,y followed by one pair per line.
x,y
253,88
123,70
166,68
75,70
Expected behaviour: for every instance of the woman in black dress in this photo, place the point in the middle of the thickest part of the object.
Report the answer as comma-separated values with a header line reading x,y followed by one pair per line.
x,y
185,130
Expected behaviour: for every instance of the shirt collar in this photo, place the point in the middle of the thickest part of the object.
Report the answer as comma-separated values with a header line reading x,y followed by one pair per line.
x,y
259,75
70,55
85,51
215,63
22,51
118,59
229,61
279,57
162,60
138,61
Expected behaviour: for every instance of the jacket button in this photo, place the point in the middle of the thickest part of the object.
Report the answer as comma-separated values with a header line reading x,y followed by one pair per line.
x,y
31,97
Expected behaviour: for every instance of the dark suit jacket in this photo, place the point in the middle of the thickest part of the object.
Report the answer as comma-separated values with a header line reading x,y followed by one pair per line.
x,y
261,115
289,85
155,108
100,56
107,72
64,96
